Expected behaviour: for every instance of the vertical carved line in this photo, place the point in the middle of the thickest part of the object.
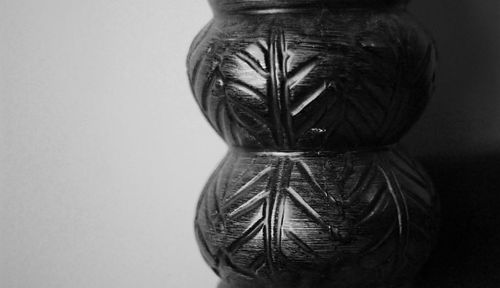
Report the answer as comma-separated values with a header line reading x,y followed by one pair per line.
x,y
268,211
285,104
283,172
280,89
274,86
273,200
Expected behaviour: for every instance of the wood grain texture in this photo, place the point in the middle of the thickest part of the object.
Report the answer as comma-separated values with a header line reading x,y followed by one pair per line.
x,y
342,219
311,96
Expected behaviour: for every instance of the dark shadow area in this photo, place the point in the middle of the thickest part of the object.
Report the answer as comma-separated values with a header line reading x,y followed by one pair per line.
x,y
468,253
464,115
459,141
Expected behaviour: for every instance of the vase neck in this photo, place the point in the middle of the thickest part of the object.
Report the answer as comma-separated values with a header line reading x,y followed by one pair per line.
x,y
235,6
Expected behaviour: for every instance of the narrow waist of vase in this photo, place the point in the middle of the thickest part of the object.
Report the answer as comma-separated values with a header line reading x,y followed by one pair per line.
x,y
271,10
271,152
299,9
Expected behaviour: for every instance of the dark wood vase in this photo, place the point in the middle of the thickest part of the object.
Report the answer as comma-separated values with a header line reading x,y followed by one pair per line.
x,y
312,97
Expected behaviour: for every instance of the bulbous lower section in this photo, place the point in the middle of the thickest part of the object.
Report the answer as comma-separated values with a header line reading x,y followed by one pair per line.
x,y
322,80
317,219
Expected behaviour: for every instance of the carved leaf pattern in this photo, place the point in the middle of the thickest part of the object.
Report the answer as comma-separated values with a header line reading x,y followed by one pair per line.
x,y
379,87
402,62
360,92
389,186
258,100
407,194
264,198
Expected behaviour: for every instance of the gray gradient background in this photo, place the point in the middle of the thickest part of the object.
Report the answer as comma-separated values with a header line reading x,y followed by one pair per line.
x,y
103,152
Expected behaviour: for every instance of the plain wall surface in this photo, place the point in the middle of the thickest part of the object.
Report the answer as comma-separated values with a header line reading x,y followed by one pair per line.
x,y
103,151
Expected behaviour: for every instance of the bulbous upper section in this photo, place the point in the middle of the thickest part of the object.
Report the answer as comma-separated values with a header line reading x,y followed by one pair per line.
x,y
320,80
245,5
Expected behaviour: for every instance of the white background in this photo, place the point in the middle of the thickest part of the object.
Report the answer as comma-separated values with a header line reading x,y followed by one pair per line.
x,y
103,151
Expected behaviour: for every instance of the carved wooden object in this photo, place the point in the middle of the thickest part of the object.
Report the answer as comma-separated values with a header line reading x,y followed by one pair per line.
x,y
311,97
